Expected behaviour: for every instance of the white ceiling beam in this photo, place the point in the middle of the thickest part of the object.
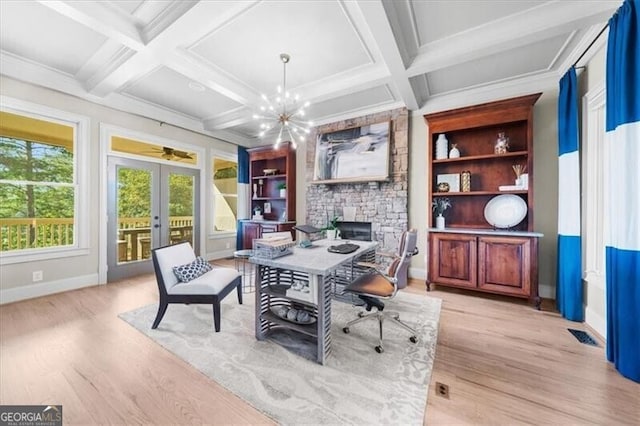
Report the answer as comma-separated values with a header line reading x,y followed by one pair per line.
x,y
379,26
545,21
100,18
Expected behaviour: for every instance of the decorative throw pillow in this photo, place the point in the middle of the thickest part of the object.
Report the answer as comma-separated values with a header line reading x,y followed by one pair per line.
x,y
191,271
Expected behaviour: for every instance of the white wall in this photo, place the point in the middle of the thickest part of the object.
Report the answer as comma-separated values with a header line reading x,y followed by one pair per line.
x,y
73,272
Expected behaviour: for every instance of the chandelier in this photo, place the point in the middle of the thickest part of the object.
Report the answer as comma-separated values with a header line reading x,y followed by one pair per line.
x,y
284,114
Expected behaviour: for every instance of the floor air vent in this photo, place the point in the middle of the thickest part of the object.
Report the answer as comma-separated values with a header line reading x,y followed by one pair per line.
x,y
583,337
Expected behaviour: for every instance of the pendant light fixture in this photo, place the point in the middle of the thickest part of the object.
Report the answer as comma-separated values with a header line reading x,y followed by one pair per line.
x,y
284,115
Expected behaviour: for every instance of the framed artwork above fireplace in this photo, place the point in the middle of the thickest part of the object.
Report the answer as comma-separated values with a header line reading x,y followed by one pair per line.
x,y
357,154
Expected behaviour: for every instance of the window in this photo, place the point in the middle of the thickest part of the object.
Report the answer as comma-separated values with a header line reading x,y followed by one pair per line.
x,y
225,193
39,180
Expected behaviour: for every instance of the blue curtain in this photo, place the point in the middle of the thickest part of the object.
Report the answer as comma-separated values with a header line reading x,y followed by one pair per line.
x,y
243,192
569,267
622,199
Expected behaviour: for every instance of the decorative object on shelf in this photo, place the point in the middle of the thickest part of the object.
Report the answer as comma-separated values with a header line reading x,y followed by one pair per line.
x,y
524,180
282,187
270,172
439,205
257,213
465,181
505,211
443,187
453,179
260,188
455,152
267,207
255,190
442,147
285,114
519,169
502,144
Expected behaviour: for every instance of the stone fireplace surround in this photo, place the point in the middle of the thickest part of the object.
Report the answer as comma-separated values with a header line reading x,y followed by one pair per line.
x,y
384,204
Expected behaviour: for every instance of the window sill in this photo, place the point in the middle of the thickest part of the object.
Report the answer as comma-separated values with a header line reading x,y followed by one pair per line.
x,y
10,258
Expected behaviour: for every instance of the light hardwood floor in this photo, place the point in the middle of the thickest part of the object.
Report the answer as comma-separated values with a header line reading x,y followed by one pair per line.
x,y
504,363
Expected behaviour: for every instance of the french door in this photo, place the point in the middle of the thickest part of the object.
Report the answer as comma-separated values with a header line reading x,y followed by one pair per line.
x,y
149,205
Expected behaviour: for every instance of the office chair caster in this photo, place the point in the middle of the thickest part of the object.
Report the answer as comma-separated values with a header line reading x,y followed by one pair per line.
x,y
379,349
346,330
413,339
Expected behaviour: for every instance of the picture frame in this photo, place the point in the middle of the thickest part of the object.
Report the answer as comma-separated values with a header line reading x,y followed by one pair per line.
x,y
453,179
356,154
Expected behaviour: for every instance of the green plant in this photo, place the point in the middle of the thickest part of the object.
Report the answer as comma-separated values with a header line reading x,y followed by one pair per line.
x,y
331,225
440,204
282,185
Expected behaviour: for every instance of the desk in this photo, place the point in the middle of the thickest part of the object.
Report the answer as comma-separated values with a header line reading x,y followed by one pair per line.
x,y
324,272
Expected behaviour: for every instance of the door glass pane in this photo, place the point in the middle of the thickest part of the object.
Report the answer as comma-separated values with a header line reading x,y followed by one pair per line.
x,y
181,193
133,197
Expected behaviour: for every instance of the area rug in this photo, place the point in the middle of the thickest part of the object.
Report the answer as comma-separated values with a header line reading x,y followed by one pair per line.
x,y
355,386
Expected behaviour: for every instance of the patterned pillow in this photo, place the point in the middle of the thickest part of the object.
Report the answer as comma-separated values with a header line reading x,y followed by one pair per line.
x,y
191,271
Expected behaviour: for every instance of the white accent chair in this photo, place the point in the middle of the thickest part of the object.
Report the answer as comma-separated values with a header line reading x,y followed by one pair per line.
x,y
209,288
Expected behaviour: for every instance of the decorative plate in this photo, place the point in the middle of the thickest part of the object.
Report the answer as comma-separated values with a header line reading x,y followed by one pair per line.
x,y
505,211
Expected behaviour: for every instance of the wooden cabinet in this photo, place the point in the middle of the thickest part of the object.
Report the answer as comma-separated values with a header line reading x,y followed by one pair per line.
x,y
252,229
270,170
469,253
502,264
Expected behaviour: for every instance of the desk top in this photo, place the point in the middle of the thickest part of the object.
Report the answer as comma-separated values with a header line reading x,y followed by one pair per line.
x,y
315,259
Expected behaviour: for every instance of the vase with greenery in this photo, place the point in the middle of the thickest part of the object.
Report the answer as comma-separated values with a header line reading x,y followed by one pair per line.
x,y
439,206
282,187
332,228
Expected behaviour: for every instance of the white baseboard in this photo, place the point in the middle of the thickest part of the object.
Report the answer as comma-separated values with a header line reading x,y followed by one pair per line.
x,y
418,273
44,289
595,321
547,291
220,254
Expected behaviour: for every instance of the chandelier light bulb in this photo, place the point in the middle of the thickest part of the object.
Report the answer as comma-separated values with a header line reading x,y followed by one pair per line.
x,y
279,89
256,116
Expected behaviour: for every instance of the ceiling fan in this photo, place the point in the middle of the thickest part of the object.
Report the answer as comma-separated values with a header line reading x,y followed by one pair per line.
x,y
173,154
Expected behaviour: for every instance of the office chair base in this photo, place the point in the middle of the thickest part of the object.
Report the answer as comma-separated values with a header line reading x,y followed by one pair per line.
x,y
380,316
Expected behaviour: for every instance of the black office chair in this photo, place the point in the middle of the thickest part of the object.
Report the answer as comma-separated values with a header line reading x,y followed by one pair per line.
x,y
373,286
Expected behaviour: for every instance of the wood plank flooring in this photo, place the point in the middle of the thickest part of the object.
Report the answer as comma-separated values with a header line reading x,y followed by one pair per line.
x,y
504,363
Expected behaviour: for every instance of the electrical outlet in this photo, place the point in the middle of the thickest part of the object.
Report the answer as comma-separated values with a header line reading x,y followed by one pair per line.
x,y
37,276
442,390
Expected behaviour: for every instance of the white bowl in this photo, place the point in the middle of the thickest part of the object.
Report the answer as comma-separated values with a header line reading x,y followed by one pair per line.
x,y
505,211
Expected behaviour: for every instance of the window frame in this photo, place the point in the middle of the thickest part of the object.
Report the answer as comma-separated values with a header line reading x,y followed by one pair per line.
x,y
81,130
213,234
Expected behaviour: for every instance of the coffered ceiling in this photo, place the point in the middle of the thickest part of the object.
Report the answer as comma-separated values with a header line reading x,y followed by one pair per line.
x,y
203,65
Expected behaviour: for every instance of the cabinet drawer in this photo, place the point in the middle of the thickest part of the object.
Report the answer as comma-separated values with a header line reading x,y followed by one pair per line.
x,y
269,228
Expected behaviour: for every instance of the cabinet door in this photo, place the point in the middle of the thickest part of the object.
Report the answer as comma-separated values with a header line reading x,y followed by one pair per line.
x,y
453,259
505,264
250,231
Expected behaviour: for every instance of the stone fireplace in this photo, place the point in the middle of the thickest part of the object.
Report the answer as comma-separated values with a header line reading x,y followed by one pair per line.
x,y
383,204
